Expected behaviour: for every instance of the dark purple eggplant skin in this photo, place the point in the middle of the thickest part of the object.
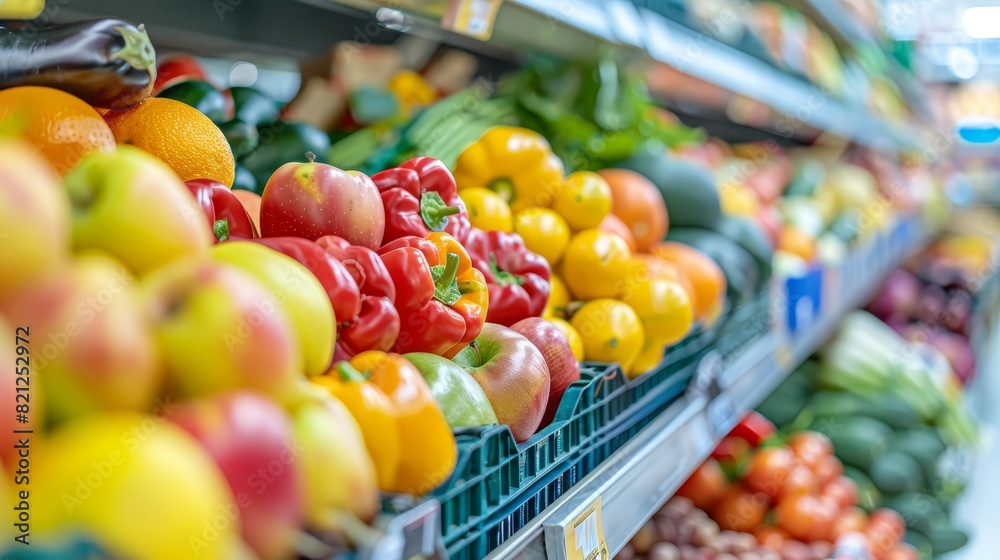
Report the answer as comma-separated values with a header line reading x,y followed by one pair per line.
x,y
108,63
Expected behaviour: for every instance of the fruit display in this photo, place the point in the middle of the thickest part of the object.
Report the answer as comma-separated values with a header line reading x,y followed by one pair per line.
x,y
246,328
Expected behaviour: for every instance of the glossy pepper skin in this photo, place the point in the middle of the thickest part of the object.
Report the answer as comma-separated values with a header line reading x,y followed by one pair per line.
x,y
375,413
518,280
376,325
331,273
754,428
441,298
225,213
427,446
420,197
516,163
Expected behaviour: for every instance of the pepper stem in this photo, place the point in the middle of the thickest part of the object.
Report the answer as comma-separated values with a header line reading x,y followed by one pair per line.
x,y
350,373
505,188
138,50
435,211
445,281
221,229
502,277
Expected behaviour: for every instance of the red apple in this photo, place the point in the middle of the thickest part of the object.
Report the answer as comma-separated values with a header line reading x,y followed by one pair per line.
x,y
311,200
562,364
251,440
512,373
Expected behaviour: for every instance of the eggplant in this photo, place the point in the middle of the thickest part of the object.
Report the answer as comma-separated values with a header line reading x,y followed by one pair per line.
x,y
108,63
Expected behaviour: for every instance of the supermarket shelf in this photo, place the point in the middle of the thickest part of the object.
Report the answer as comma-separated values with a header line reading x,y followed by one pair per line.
x,y
634,482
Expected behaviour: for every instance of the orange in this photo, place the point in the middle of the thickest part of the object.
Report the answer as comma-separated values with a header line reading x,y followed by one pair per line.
x,y
656,267
797,242
614,224
638,203
61,126
180,135
251,202
706,278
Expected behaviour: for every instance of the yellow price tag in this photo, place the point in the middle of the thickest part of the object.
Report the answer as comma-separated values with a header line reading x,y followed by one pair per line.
x,y
474,18
783,356
585,535
21,9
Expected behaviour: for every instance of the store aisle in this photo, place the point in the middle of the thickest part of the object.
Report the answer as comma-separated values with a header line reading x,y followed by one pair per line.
x,y
978,510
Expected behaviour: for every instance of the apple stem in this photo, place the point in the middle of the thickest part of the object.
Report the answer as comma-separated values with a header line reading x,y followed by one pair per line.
x,y
350,373
311,157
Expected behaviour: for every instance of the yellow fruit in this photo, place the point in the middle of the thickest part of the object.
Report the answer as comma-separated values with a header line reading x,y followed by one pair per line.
x,y
487,210
738,200
584,200
594,264
664,307
649,358
544,232
180,135
558,298
573,337
139,485
611,332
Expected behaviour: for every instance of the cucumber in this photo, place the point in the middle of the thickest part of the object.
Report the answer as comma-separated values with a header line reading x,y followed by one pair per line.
x,y
896,472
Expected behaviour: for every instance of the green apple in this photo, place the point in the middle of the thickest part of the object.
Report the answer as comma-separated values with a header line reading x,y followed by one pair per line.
x,y
34,218
133,206
218,329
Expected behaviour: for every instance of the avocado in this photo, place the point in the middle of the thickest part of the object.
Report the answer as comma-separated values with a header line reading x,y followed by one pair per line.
x,y
282,142
242,137
945,538
924,444
736,264
859,441
748,235
896,472
253,107
920,543
688,189
869,498
919,511
201,95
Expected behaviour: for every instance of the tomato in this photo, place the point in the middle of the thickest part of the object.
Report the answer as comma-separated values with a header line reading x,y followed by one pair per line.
x,y
740,510
800,480
811,447
584,200
885,530
829,468
902,551
770,537
806,517
850,520
769,470
706,486
843,491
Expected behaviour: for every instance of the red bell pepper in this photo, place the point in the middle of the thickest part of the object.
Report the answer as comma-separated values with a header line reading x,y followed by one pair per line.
x,y
226,215
336,280
441,298
420,197
518,279
376,326
733,455
754,429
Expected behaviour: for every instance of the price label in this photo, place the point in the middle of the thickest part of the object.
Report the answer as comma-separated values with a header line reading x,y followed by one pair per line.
x,y
783,355
474,18
21,9
585,535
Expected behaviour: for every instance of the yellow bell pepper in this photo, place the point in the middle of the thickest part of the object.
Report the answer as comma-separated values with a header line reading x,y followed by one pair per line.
x,y
412,91
374,413
428,452
516,163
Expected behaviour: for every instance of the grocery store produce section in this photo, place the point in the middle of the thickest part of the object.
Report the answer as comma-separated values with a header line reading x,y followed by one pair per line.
x,y
636,280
